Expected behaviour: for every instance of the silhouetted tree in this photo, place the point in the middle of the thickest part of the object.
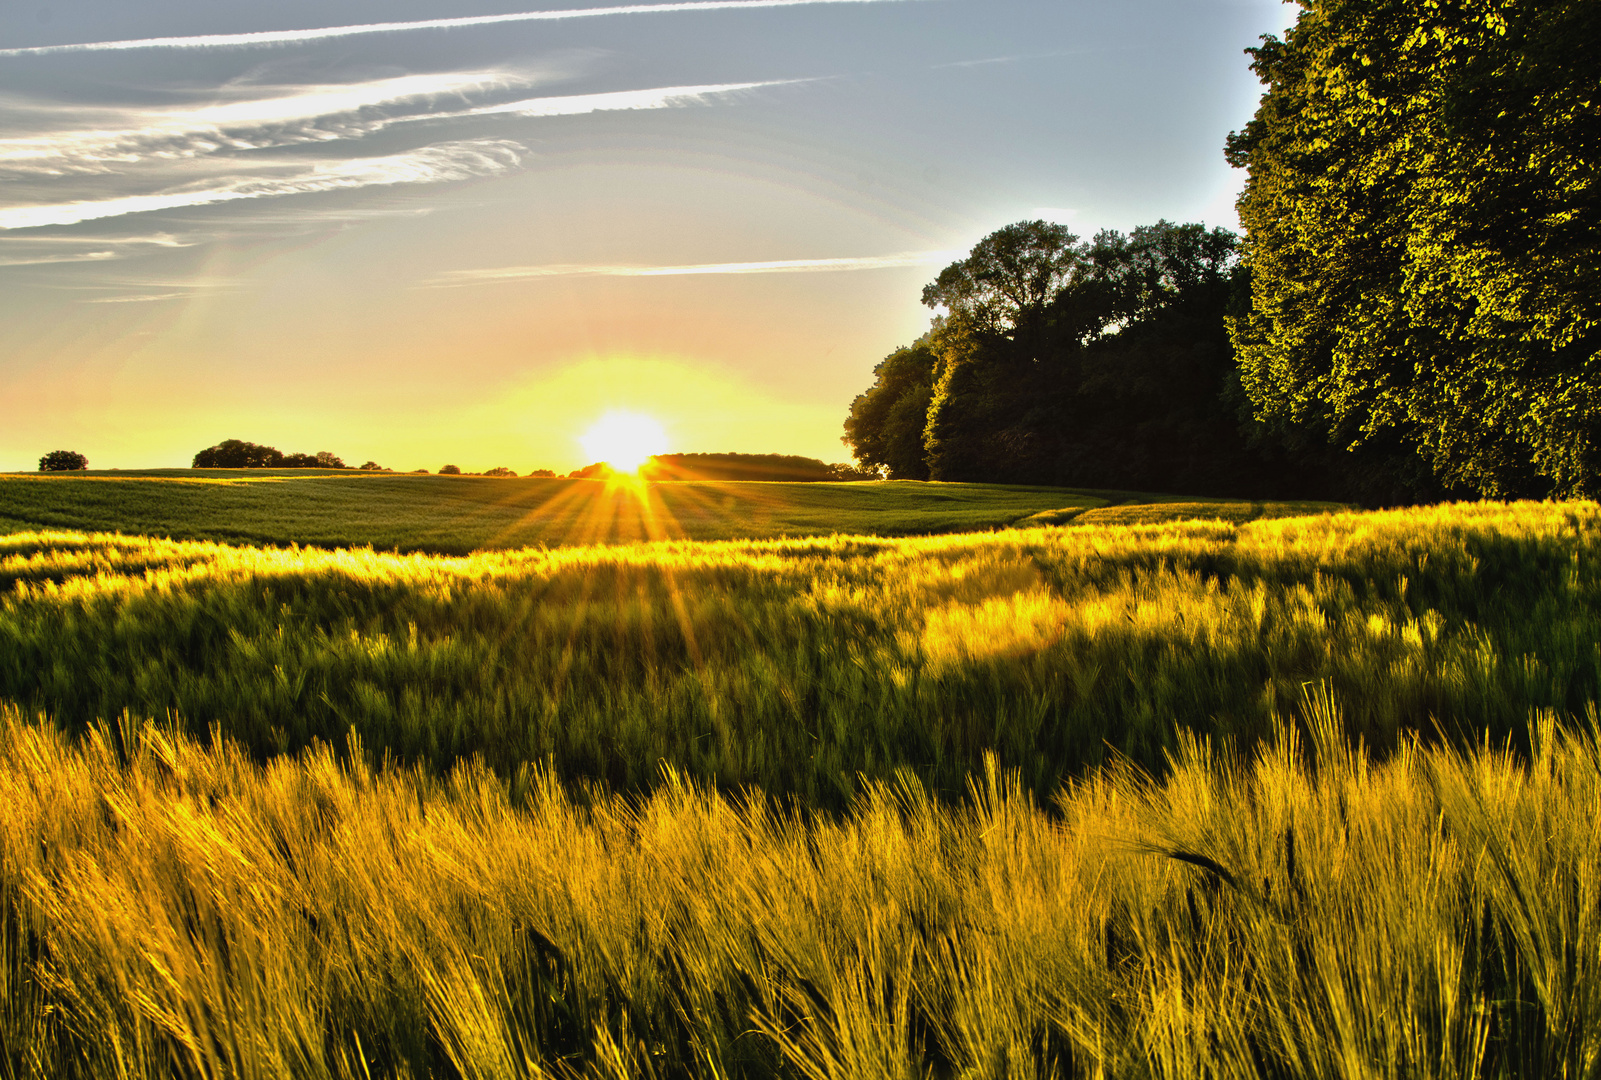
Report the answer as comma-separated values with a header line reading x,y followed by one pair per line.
x,y
329,460
372,466
63,461
1110,367
298,461
449,470
238,454
499,470
885,426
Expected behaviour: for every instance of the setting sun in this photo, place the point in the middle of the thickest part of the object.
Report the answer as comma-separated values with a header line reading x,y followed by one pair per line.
x,y
624,440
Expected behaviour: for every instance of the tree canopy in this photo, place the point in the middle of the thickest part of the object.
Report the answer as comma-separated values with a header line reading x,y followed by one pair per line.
x,y
63,461
1421,219
1111,367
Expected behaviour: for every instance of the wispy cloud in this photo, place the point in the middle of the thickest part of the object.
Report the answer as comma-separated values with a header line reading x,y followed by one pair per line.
x,y
166,240
431,164
275,116
148,150
776,266
41,260
314,114
143,299
286,37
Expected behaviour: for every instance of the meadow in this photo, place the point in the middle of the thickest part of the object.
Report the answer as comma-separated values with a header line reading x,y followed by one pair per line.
x,y
1294,796
457,515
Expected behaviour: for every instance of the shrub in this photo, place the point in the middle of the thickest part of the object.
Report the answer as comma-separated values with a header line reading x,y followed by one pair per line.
x,y
63,461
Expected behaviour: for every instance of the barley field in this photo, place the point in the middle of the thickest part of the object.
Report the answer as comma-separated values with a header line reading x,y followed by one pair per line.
x,y
1303,796
458,515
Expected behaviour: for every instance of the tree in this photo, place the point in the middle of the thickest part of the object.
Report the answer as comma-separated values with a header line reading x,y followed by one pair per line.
x,y
1009,278
238,454
63,461
326,459
884,428
499,470
372,466
298,461
1421,226
449,470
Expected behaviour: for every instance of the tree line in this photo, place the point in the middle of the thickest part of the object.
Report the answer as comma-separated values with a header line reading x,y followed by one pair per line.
x,y
1413,311
239,454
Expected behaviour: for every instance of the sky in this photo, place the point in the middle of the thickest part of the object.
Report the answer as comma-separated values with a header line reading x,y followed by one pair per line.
x,y
422,232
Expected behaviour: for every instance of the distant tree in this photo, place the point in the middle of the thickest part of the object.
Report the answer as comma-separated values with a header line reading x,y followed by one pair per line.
x,y
848,472
423,472
884,428
372,466
298,461
238,454
790,468
591,472
449,470
499,470
1423,226
328,460
542,472
63,461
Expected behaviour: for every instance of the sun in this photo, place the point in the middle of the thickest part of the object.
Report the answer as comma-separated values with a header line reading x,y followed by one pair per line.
x,y
624,440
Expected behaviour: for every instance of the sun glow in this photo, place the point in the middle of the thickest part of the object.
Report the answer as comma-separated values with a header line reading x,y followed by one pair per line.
x,y
624,440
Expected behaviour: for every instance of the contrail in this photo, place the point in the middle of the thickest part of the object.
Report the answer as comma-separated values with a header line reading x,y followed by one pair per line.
x,y
777,266
280,37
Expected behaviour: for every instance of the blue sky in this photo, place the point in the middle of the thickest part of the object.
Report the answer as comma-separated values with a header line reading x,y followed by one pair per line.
x,y
462,240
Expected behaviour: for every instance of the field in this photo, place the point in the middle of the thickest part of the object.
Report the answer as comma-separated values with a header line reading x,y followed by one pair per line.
x,y
1296,796
456,515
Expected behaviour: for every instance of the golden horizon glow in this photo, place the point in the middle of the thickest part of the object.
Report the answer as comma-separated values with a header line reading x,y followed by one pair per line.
x,y
624,440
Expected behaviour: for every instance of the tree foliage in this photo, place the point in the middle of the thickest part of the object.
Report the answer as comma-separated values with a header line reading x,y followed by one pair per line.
x,y
884,428
239,454
1422,217
63,461
1116,372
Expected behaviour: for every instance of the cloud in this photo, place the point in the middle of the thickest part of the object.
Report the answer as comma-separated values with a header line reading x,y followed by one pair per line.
x,y
140,299
431,164
157,239
777,266
285,37
278,116
665,97
306,115
40,260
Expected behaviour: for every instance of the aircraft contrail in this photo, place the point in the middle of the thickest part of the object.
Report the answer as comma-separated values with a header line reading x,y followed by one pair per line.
x,y
281,37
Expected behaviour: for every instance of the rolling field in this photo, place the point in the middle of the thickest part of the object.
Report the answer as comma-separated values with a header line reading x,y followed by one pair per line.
x,y
456,515
1278,797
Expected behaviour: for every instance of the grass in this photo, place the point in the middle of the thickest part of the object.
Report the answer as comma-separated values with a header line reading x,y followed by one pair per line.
x,y
457,515
800,665
1263,797
173,909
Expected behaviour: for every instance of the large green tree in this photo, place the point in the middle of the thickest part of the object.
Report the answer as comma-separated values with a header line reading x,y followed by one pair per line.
x,y
1422,219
